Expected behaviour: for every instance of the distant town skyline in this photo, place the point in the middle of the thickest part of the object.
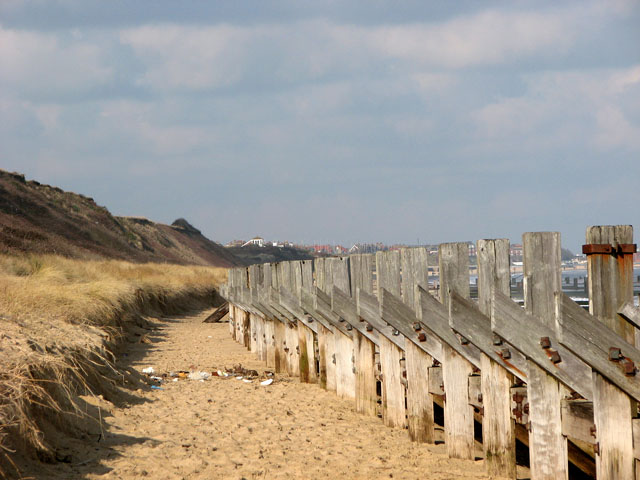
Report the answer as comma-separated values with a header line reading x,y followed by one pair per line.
x,y
346,123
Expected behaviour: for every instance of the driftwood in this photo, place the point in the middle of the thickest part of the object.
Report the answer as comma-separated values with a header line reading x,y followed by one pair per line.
x,y
216,316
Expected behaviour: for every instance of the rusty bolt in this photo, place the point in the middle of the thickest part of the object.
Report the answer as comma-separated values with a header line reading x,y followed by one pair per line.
x,y
422,337
545,342
417,327
497,340
555,357
349,327
525,409
592,430
479,398
395,332
629,368
369,328
596,448
286,349
463,340
615,354
505,353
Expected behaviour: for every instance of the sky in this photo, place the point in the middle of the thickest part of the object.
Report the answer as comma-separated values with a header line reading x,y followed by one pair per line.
x,y
331,122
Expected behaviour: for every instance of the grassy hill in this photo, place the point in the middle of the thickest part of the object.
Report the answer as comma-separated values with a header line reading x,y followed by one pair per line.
x,y
41,219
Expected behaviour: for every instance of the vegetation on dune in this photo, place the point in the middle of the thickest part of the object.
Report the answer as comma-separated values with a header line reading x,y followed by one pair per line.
x,y
60,322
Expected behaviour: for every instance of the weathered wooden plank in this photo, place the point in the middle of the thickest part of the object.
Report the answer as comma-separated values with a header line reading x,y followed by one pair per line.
x,y
631,313
306,343
366,395
434,317
278,344
292,304
415,271
547,445
577,420
404,320
610,278
388,272
361,268
347,309
524,331
339,267
345,366
270,338
456,369
613,412
610,288
325,337
393,400
369,309
322,305
306,267
436,383
470,323
591,340
498,428
253,334
419,400
542,279
319,271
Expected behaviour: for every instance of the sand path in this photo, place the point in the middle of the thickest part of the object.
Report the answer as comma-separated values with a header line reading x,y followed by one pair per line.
x,y
225,428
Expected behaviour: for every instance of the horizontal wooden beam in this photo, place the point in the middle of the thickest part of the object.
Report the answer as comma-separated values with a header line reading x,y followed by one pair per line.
x,y
288,301
346,307
435,317
592,341
466,319
539,343
369,309
397,314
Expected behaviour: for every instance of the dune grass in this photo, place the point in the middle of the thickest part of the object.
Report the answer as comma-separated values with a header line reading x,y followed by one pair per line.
x,y
60,320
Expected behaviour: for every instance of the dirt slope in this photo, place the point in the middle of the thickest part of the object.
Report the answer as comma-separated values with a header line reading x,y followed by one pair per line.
x,y
40,218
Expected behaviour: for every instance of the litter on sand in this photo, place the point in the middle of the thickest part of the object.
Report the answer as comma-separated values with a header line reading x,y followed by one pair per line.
x,y
155,387
148,370
199,375
269,381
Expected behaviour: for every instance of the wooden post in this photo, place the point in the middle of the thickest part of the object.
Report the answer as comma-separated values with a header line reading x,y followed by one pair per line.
x,y
324,338
270,336
364,352
388,272
279,338
611,278
417,363
366,394
610,288
361,268
542,279
307,354
458,411
393,399
498,428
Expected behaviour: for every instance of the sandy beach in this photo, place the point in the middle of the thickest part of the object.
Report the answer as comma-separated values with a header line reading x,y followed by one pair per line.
x,y
227,428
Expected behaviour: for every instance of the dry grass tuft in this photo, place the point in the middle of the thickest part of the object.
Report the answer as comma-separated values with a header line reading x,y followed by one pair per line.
x,y
59,322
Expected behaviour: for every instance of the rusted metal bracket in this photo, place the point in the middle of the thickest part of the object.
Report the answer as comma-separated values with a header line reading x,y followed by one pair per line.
x,y
606,248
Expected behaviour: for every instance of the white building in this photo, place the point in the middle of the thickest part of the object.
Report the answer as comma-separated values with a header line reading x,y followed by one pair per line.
x,y
259,241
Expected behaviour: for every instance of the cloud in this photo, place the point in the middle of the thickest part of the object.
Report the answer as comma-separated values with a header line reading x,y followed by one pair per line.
x,y
47,65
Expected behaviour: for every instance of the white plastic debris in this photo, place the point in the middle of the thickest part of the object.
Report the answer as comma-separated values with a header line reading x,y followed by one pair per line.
x,y
246,380
239,378
175,379
199,375
269,381
148,370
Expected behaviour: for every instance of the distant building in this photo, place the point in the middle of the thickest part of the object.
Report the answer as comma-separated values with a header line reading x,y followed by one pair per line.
x,y
235,243
259,241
